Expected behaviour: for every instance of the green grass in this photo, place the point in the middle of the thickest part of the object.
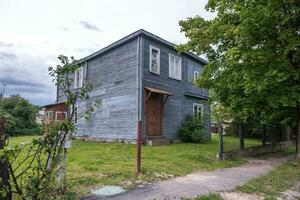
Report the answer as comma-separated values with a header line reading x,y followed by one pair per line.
x,y
20,139
276,181
93,164
207,197
232,143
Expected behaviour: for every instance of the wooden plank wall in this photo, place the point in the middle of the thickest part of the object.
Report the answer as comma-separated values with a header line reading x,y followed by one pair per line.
x,y
180,105
114,79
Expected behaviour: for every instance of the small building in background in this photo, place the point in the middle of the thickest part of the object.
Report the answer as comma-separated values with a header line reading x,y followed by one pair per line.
x,y
40,116
56,111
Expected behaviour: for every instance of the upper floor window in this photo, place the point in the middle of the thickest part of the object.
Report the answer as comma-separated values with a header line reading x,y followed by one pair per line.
x,y
78,79
154,60
174,67
196,75
198,110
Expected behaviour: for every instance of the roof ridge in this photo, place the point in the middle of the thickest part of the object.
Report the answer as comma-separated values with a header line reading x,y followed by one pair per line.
x,y
134,35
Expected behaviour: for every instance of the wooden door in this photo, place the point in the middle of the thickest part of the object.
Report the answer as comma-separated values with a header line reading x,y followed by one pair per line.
x,y
154,109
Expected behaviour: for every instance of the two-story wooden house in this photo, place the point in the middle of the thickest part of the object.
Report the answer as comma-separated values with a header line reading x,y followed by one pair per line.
x,y
140,77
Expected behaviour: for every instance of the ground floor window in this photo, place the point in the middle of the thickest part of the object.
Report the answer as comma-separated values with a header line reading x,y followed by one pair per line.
x,y
48,115
59,115
198,110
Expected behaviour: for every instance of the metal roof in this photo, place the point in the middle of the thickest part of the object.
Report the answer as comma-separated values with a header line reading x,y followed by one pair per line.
x,y
135,35
54,104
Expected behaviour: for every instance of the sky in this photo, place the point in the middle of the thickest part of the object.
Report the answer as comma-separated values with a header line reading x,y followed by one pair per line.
x,y
34,32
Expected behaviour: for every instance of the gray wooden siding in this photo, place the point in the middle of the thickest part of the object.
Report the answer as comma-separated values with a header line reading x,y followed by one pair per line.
x,y
180,105
113,76
191,66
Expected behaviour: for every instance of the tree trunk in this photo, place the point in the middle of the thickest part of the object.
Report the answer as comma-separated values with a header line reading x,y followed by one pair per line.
x,y
4,172
221,141
242,137
298,132
264,137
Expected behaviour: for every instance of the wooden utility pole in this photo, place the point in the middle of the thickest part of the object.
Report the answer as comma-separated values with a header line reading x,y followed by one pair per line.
x,y
4,172
242,137
139,149
221,141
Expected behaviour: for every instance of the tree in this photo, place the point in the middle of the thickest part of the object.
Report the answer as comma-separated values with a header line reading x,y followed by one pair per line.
x,y
19,112
253,48
33,166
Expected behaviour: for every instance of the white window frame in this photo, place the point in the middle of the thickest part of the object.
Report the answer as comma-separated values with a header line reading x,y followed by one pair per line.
x,y
171,75
198,105
60,112
158,61
196,76
47,115
78,72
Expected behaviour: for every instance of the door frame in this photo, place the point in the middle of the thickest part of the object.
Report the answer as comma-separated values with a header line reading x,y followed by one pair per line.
x,y
163,96
160,112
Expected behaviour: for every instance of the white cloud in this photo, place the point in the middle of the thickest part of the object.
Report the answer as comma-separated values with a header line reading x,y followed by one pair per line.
x,y
33,33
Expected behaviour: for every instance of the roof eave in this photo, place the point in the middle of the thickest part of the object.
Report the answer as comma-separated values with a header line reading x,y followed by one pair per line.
x,y
133,36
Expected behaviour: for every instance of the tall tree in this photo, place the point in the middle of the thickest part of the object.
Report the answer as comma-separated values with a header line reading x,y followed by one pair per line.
x,y
18,111
253,49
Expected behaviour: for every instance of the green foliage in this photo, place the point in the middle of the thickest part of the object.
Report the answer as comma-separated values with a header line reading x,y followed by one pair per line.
x,y
253,48
276,181
192,130
10,121
19,114
33,166
206,197
92,164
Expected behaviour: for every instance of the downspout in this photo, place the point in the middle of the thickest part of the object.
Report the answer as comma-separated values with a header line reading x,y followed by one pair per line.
x,y
138,77
139,116
139,80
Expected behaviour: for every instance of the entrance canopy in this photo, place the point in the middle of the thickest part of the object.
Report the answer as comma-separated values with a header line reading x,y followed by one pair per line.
x,y
158,91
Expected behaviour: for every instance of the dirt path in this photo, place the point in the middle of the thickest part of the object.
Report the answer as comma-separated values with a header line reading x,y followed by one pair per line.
x,y
200,183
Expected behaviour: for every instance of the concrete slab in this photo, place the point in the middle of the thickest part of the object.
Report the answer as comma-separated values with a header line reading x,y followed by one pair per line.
x,y
107,191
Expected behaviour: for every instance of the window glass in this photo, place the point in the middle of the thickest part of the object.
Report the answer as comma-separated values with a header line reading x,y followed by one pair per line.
x,y
198,110
154,60
174,67
78,79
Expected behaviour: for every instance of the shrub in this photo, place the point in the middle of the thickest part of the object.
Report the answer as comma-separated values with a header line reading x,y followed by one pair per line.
x,y
19,114
192,130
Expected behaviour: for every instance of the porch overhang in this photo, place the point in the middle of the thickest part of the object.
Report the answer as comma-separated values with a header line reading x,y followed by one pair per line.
x,y
157,91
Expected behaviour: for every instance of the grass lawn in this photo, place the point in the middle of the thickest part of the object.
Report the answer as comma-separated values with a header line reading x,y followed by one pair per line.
x,y
282,178
93,164
206,197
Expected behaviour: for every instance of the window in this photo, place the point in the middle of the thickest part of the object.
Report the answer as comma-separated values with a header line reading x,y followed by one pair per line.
x,y
196,75
78,79
198,110
59,115
48,115
154,60
174,67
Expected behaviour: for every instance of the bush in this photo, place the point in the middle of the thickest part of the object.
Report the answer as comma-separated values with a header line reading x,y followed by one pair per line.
x,y
192,130
37,130
19,114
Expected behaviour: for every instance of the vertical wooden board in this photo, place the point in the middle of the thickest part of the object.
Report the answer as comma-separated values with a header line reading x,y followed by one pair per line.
x,y
113,76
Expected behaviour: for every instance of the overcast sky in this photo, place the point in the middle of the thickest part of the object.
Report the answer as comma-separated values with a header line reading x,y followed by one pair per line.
x,y
34,32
